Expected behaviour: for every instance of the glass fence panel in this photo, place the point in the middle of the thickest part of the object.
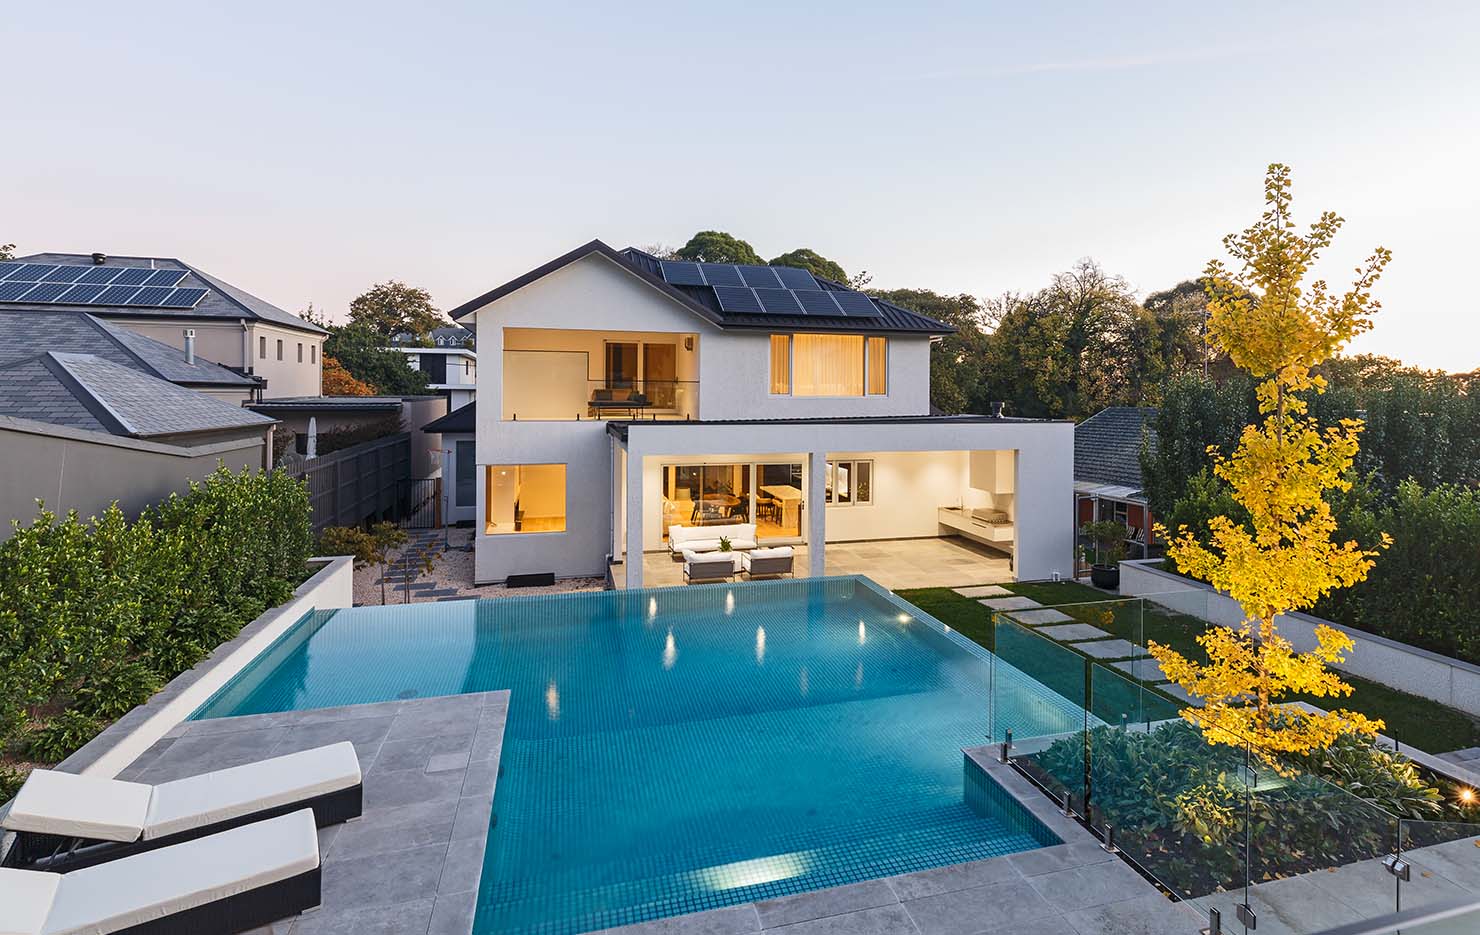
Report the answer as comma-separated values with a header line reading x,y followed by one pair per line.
x,y
1440,860
1038,694
1119,699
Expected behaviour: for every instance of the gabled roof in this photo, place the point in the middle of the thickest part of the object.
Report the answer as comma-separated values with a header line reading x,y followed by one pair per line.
x,y
1107,446
462,420
25,334
88,392
702,301
222,300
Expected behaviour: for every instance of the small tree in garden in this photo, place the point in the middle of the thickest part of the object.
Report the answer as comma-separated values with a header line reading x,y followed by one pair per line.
x,y
368,548
1277,328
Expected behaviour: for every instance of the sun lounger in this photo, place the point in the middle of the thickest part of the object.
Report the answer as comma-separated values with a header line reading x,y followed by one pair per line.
x,y
237,880
64,821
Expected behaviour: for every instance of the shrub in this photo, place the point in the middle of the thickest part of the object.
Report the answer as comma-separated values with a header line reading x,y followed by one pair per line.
x,y
347,436
61,735
11,780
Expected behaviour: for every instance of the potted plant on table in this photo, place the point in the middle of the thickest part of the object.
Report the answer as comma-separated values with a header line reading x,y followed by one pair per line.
x,y
1104,547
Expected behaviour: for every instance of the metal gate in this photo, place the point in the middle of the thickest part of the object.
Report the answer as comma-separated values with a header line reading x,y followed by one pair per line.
x,y
419,503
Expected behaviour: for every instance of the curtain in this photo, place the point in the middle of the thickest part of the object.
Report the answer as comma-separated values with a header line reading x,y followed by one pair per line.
x,y
780,364
878,366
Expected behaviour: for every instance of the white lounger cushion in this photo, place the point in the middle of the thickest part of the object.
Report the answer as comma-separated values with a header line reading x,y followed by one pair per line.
x,y
211,798
148,886
710,558
758,554
80,806
26,897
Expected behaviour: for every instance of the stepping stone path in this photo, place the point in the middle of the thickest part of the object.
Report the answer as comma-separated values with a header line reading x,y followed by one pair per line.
x,y
1035,618
1014,602
1074,631
1142,670
985,590
1110,649
1178,692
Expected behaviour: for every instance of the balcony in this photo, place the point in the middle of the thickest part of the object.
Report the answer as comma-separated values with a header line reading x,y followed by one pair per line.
x,y
553,386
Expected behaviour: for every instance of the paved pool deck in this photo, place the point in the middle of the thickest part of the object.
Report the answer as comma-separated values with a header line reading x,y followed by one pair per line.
x,y
413,862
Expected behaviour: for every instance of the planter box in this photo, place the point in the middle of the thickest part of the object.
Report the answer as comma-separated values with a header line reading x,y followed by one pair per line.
x,y
1388,662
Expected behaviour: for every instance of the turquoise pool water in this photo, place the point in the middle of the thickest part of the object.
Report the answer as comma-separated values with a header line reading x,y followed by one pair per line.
x,y
675,750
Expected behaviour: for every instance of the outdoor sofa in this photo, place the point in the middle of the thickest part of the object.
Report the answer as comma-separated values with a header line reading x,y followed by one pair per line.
x,y
700,567
683,539
233,881
64,822
768,563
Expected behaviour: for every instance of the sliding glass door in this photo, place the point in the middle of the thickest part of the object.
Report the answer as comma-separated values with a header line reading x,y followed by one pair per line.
x,y
769,495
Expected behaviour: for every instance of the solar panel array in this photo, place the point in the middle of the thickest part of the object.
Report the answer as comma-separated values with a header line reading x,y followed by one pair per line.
x,y
768,290
63,284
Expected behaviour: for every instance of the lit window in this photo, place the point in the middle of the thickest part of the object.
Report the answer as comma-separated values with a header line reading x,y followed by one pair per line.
x,y
827,365
524,498
878,366
780,364
850,482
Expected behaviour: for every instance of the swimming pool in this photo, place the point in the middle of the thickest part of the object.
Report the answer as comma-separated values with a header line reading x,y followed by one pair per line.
x,y
675,750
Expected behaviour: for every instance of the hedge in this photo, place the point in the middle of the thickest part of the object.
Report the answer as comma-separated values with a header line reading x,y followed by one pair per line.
x,y
97,614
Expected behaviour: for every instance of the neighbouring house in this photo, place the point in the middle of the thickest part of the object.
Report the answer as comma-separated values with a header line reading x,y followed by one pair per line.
x,y
1107,473
327,415
91,413
623,396
451,336
173,302
458,433
452,369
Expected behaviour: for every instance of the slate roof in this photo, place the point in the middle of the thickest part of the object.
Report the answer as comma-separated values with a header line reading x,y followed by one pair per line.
x,y
88,392
1107,446
223,300
701,300
452,336
461,421
26,334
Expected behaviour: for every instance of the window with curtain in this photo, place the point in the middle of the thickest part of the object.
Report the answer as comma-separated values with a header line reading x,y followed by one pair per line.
x,y
780,364
827,365
878,366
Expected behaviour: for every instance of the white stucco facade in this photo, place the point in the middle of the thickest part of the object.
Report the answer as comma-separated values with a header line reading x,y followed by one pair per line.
x,y
549,341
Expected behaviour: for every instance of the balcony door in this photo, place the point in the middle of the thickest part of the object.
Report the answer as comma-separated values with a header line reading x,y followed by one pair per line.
x,y
621,365
660,373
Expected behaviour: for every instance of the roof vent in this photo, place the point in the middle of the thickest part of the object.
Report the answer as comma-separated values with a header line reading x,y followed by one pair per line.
x,y
99,259
190,345
995,410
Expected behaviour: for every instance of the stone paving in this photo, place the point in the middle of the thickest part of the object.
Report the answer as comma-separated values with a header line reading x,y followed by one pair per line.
x,y
1073,632
1015,602
983,590
413,862
1036,618
1074,888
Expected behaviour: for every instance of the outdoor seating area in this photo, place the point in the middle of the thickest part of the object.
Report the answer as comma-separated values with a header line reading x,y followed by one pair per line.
x,y
683,539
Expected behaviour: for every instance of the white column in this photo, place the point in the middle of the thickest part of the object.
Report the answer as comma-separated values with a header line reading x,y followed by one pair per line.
x,y
633,561
816,513
619,498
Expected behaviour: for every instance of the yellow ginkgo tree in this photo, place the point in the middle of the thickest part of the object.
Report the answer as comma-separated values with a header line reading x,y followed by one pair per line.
x,y
1275,326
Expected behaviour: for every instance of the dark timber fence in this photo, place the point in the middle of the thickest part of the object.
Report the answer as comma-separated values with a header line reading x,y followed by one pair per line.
x,y
359,483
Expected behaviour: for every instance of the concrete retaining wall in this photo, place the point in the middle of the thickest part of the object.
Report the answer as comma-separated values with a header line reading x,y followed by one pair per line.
x,y
1376,658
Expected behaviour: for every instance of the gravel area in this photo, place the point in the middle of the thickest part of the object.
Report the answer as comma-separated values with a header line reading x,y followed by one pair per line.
x,y
453,573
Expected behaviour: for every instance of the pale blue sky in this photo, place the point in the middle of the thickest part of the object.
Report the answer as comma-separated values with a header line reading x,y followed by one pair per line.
x,y
307,150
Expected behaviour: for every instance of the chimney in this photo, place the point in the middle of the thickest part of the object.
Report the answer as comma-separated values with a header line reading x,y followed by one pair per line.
x,y
189,345
99,259
995,410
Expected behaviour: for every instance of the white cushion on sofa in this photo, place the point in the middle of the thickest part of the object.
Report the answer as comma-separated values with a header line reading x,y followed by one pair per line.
x,y
27,897
742,543
255,787
146,887
66,804
783,551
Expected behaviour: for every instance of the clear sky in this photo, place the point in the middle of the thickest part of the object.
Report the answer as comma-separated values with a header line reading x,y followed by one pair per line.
x,y
307,150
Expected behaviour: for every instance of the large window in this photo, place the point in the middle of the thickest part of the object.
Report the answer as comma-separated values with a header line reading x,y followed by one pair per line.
x,y
829,365
524,498
850,482
769,495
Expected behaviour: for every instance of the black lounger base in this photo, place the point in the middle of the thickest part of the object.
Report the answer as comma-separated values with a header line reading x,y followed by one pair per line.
x,y
32,851
242,912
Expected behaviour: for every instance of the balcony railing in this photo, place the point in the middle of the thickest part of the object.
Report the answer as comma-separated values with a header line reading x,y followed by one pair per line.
x,y
571,400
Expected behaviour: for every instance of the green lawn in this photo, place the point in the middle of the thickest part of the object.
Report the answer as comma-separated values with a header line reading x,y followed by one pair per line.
x,y
1425,724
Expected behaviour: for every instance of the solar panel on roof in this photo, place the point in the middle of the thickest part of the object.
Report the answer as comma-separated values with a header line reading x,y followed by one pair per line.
x,y
150,295
721,274
65,274
681,273
856,304
760,277
115,295
10,291
31,272
100,274
133,276
737,299
46,292
818,302
165,277
779,301
183,298
7,268
79,294
793,278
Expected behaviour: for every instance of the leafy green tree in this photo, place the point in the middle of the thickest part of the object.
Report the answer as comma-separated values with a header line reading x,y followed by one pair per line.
x,y
391,308
7,251
719,247
814,263
1194,414
956,361
360,350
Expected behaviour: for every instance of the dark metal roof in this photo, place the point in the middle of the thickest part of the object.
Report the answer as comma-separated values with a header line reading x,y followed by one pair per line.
x,y
702,301
25,334
1107,445
334,403
222,300
460,421
619,428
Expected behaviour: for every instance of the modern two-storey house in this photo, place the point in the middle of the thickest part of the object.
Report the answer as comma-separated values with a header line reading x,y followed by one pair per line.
x,y
622,396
